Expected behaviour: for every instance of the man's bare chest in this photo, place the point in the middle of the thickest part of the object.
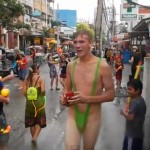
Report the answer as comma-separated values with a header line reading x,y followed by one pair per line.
x,y
85,75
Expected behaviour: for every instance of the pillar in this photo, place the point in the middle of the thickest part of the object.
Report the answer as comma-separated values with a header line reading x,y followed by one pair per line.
x,y
10,39
146,95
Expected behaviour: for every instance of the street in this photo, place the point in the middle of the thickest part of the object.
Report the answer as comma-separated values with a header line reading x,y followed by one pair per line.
x,y
52,137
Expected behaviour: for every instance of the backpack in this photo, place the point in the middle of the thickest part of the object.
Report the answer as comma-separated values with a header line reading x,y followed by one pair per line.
x,y
32,92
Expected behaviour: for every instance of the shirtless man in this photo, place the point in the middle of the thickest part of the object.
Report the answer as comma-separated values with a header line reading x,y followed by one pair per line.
x,y
83,79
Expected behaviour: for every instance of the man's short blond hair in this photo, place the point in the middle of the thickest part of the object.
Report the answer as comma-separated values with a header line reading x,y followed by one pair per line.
x,y
84,32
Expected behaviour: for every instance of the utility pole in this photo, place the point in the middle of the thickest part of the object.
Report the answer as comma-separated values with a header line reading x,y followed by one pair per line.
x,y
98,26
58,26
113,19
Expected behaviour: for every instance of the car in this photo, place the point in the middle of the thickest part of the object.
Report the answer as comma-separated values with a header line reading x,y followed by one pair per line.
x,y
6,59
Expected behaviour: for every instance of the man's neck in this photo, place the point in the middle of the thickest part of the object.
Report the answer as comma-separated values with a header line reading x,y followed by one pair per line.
x,y
86,58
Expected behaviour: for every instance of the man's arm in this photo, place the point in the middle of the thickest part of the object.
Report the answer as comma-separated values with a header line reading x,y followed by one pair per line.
x,y
7,78
128,116
4,99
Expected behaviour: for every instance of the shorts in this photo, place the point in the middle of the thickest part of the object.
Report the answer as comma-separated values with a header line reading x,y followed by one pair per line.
x,y
132,143
22,74
53,74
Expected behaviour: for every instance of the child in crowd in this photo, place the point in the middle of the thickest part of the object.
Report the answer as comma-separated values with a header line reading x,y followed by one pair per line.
x,y
119,68
3,122
135,116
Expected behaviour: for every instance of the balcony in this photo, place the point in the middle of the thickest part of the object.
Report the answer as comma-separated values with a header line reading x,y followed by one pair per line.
x,y
50,11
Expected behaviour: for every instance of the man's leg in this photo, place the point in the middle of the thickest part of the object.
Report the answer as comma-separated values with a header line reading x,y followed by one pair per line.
x,y
73,136
91,134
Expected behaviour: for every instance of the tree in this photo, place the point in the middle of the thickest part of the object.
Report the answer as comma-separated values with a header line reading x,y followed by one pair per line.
x,y
20,25
10,10
85,26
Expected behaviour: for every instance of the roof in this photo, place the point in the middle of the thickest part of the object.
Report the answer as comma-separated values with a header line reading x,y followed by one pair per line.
x,y
141,28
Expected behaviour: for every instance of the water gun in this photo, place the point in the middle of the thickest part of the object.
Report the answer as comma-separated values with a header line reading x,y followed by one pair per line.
x,y
138,68
20,62
120,67
5,131
4,91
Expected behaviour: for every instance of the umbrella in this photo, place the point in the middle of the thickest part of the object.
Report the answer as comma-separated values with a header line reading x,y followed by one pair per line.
x,y
53,41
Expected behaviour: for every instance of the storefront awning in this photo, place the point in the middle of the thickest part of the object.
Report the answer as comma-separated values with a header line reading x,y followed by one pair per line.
x,y
140,29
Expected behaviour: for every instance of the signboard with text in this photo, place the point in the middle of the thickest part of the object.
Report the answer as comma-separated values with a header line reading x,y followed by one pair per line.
x,y
128,12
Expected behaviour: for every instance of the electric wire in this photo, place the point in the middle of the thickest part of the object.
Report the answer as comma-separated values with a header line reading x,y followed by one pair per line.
x,y
106,15
131,2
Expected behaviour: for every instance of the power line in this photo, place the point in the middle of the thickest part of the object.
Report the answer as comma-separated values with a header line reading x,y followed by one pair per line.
x,y
134,3
105,15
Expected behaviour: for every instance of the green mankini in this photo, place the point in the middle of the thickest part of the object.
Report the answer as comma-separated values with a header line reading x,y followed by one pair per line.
x,y
82,117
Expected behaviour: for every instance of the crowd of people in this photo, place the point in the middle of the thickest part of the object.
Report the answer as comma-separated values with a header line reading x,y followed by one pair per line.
x,y
84,80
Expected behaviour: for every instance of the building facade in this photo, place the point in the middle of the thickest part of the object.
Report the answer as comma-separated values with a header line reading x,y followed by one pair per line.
x,y
38,14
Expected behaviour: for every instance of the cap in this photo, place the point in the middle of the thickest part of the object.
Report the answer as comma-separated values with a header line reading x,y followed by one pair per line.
x,y
135,47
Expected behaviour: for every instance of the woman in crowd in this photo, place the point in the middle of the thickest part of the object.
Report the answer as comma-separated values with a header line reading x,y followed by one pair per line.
x,y
35,116
53,71
63,66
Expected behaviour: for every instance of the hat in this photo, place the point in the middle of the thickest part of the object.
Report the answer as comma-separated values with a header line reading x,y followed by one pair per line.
x,y
22,53
134,47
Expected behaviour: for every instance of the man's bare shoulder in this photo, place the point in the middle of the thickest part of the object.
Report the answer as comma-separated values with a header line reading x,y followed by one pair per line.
x,y
105,66
104,63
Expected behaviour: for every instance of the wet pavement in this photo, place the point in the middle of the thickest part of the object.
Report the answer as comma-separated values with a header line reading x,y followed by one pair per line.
x,y
52,137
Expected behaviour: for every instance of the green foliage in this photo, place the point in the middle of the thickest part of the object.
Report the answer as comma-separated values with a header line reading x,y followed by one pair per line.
x,y
45,32
85,26
20,25
55,23
10,10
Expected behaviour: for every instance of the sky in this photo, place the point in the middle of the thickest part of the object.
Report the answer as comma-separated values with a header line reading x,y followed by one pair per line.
x,y
85,8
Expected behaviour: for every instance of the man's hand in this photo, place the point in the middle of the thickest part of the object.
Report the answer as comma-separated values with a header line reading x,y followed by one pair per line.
x,y
63,100
77,98
4,99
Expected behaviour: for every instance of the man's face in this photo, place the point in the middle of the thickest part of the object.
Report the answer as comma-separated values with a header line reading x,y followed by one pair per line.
x,y
82,45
